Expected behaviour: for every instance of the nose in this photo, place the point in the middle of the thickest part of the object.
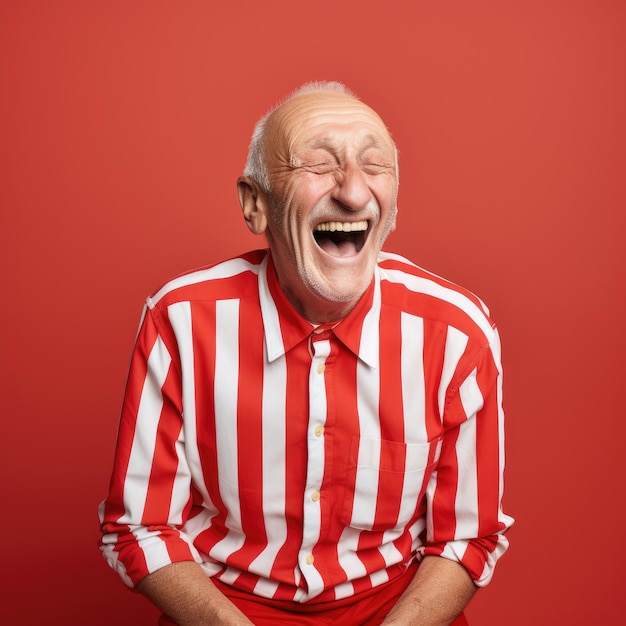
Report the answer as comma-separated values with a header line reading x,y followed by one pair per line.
x,y
351,189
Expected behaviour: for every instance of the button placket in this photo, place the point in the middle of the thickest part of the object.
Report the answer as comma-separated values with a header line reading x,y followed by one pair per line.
x,y
320,348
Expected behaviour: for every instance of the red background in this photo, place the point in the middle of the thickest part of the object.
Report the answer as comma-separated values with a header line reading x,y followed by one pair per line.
x,y
123,128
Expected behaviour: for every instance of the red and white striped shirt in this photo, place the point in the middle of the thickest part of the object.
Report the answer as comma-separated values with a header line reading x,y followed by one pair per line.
x,y
303,463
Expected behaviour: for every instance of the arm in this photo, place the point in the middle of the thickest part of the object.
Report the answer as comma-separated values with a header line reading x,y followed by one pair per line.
x,y
436,596
465,520
186,594
151,497
465,531
141,522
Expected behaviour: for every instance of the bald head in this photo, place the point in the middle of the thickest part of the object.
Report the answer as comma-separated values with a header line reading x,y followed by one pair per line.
x,y
272,125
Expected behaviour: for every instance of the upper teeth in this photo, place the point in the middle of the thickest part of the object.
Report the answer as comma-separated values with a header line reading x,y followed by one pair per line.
x,y
346,227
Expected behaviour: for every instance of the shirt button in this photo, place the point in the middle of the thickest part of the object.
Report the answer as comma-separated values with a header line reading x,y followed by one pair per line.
x,y
320,368
315,496
319,429
309,559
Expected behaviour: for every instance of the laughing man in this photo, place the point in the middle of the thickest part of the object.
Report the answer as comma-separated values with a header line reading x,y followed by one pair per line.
x,y
311,434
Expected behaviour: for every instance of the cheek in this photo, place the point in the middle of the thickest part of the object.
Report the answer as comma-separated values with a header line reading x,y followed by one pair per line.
x,y
311,188
385,187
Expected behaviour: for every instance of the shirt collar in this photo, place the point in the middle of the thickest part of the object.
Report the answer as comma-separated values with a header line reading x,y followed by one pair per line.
x,y
285,327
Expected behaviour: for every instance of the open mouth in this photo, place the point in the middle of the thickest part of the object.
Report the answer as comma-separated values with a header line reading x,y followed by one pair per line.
x,y
341,239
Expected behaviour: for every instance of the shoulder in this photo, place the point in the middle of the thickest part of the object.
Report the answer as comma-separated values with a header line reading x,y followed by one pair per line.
x,y
418,292
230,279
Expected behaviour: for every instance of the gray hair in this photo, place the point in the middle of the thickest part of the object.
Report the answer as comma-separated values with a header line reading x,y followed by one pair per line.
x,y
256,165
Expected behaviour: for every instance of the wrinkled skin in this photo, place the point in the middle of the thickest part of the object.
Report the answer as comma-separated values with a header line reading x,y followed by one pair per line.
x,y
332,168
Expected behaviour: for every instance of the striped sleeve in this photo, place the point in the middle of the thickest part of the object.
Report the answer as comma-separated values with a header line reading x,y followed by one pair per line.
x,y
150,487
465,520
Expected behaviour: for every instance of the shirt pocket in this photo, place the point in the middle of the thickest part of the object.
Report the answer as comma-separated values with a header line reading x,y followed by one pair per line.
x,y
385,482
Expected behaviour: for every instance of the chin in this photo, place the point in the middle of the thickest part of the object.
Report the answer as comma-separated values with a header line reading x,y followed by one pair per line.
x,y
345,290
349,276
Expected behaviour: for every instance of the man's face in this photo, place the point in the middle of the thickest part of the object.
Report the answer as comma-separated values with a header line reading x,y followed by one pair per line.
x,y
332,203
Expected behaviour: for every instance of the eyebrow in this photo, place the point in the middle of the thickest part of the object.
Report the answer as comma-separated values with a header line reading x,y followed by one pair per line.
x,y
326,141
323,142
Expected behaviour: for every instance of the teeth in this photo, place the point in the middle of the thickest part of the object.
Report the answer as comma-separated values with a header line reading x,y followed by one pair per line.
x,y
345,227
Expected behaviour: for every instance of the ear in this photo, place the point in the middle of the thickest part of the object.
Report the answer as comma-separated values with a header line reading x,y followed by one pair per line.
x,y
253,204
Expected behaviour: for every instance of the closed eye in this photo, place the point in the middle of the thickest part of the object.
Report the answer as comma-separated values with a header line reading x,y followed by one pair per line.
x,y
375,168
375,161
320,168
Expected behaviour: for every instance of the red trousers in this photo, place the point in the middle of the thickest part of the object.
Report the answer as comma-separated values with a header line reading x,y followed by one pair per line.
x,y
366,609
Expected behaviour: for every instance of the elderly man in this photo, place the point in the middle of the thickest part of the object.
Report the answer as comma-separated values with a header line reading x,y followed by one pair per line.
x,y
311,434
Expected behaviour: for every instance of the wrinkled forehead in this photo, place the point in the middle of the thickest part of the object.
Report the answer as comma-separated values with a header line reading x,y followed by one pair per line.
x,y
308,118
